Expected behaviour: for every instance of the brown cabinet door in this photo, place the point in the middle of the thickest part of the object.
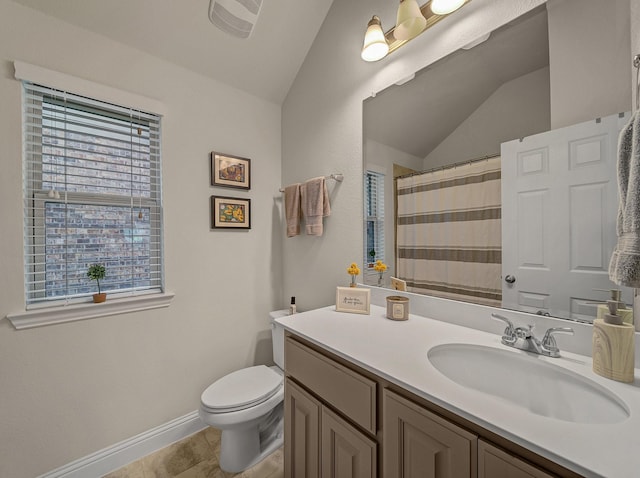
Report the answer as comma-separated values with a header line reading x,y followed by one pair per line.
x,y
493,462
301,433
345,452
418,443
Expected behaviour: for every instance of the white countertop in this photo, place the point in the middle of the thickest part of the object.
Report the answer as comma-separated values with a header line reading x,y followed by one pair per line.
x,y
397,351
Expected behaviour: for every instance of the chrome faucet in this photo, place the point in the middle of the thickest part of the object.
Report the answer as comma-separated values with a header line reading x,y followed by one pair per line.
x,y
523,339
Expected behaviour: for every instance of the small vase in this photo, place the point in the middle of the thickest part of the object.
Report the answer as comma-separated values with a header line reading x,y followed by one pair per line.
x,y
380,279
353,281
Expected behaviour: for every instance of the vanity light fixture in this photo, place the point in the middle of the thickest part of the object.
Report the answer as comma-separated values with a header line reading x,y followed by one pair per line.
x,y
411,21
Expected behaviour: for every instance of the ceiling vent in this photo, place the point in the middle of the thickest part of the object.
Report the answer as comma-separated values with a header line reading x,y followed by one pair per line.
x,y
235,17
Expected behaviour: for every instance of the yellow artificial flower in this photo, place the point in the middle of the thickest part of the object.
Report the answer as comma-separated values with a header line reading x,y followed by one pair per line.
x,y
353,269
380,266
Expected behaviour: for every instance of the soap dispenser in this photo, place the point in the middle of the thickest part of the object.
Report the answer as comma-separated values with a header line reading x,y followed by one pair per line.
x,y
623,311
292,307
613,345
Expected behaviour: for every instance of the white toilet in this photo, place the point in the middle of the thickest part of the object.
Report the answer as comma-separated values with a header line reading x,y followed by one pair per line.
x,y
247,405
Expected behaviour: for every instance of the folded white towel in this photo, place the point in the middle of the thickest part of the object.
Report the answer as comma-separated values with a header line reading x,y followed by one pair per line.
x,y
624,268
315,205
292,209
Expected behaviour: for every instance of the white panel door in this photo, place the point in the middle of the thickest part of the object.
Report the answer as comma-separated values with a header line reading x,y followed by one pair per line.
x,y
559,209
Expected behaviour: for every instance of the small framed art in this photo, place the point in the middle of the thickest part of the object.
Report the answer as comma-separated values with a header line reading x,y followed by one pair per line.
x,y
398,284
230,213
230,171
353,299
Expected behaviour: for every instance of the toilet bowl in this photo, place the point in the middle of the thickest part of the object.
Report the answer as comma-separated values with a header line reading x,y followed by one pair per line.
x,y
248,406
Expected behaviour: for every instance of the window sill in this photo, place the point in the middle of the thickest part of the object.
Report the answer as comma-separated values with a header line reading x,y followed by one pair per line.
x,y
89,310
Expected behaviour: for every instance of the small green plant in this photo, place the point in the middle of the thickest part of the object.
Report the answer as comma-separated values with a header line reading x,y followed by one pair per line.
x,y
96,272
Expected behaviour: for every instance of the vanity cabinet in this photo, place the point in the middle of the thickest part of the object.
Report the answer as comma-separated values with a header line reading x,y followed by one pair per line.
x,y
420,444
493,462
345,422
302,432
318,443
345,452
321,442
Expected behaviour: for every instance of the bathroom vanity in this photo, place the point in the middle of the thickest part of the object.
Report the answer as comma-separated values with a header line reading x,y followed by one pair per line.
x,y
363,398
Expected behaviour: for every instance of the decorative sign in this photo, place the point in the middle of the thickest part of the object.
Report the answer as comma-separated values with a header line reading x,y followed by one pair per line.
x,y
398,284
353,299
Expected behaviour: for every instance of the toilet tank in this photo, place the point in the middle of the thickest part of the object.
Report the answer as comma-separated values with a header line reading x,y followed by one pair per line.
x,y
277,336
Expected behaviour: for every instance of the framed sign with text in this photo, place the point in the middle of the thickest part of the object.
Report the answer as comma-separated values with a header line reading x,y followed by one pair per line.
x,y
353,299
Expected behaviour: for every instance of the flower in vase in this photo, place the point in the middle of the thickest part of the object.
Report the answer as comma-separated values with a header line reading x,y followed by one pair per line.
x,y
380,267
353,270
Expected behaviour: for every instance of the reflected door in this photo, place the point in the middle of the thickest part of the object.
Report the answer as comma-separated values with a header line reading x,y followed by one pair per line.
x,y
559,209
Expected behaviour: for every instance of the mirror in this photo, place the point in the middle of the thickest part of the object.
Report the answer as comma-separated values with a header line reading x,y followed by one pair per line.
x,y
464,108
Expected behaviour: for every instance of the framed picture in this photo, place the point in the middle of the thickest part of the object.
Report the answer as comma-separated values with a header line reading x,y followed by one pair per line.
x,y
230,171
230,213
353,299
398,284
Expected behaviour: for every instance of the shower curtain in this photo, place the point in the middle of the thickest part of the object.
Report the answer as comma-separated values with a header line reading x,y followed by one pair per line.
x,y
449,232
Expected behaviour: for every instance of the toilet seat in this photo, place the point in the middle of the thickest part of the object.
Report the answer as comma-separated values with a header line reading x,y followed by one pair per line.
x,y
241,389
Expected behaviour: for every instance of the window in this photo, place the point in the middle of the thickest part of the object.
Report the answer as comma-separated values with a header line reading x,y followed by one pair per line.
x,y
374,217
91,195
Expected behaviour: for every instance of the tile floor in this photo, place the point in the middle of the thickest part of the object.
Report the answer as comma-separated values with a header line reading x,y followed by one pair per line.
x,y
196,457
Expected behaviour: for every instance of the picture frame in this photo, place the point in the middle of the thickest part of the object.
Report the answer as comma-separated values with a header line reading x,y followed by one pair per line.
x,y
354,300
230,171
230,213
398,284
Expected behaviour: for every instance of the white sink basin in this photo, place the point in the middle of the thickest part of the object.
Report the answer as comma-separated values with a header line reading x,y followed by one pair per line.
x,y
528,382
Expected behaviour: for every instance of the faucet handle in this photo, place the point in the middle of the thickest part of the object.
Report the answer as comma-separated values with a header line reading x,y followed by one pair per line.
x,y
549,342
509,331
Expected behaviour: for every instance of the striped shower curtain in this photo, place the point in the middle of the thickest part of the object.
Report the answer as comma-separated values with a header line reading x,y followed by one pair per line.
x,y
449,232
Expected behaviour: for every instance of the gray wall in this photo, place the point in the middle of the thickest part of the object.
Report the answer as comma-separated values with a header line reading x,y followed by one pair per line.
x,y
69,390
322,124
322,119
518,108
588,82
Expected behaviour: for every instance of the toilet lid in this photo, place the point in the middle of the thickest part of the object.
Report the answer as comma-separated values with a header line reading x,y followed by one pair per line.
x,y
242,389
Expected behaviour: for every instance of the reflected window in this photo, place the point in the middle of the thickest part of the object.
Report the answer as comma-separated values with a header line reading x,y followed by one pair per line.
x,y
374,217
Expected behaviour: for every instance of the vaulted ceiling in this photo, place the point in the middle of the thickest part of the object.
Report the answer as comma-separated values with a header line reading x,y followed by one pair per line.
x,y
179,31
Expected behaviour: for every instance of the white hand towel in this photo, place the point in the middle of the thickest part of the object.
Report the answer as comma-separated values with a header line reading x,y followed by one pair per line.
x,y
292,209
624,268
315,205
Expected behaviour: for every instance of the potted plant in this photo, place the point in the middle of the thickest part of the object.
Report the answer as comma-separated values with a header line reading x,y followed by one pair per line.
x,y
97,272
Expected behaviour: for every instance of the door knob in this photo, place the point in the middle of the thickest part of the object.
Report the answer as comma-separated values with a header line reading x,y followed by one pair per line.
x,y
510,279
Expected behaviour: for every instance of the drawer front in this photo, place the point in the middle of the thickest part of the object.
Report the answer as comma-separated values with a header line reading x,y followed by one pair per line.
x,y
346,390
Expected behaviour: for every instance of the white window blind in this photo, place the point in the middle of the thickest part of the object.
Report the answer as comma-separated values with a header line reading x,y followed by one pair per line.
x,y
92,194
374,217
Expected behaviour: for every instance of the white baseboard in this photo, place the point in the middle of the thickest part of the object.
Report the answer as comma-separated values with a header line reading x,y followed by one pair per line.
x,y
116,456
